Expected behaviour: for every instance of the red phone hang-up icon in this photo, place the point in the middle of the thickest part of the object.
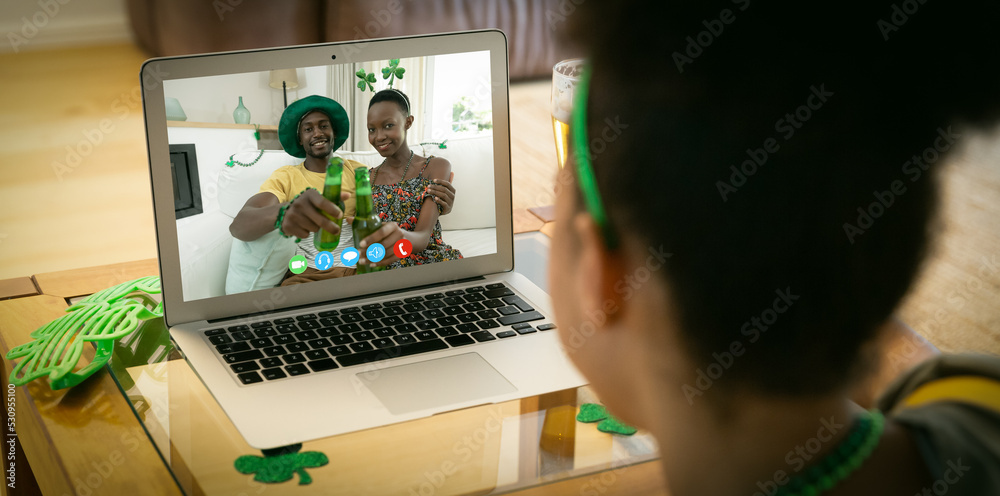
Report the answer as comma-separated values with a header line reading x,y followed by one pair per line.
x,y
403,248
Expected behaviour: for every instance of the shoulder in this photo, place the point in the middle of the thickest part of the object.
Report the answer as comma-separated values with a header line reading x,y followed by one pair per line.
x,y
954,422
437,168
940,367
352,165
286,170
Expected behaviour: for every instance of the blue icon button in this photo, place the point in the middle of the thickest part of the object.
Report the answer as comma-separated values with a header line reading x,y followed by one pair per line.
x,y
375,253
324,260
349,257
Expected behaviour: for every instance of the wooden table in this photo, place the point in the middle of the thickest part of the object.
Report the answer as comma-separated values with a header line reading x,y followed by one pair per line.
x,y
89,438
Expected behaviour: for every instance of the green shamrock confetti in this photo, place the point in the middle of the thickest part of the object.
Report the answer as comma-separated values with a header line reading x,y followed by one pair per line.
x,y
367,80
393,71
615,426
280,468
101,318
592,412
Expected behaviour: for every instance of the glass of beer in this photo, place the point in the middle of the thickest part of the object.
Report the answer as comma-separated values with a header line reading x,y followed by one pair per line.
x,y
565,76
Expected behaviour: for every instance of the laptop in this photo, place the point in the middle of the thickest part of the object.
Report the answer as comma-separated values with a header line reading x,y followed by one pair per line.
x,y
290,364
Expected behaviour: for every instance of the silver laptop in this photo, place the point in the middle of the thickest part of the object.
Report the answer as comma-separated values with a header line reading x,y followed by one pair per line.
x,y
365,350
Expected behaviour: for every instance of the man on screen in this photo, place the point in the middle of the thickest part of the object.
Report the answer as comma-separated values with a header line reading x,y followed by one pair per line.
x,y
311,128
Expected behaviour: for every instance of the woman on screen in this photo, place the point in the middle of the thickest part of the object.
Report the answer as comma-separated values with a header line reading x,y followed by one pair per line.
x,y
405,186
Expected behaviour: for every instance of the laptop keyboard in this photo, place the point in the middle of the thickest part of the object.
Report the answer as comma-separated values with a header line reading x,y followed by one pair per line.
x,y
315,342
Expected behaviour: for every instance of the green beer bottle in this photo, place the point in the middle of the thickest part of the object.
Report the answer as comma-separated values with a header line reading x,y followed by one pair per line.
x,y
366,219
324,240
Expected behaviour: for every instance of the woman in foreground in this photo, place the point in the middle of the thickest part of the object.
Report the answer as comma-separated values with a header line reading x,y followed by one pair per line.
x,y
784,164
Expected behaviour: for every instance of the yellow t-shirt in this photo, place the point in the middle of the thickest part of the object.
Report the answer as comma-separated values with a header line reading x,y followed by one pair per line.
x,y
290,180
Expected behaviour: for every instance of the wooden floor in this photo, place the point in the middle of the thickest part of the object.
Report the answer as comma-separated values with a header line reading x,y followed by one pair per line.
x,y
74,195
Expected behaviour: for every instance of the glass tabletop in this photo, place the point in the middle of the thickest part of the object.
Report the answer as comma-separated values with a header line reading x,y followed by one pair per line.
x,y
490,449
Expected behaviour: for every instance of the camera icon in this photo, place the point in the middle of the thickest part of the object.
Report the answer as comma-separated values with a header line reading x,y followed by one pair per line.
x,y
297,264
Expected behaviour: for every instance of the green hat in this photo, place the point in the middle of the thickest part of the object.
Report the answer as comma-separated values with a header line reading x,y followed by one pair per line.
x,y
288,126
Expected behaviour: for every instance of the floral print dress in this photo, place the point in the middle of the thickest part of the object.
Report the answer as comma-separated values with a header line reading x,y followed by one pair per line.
x,y
400,203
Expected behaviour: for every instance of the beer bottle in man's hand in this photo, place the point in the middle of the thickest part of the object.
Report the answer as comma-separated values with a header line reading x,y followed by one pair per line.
x,y
327,241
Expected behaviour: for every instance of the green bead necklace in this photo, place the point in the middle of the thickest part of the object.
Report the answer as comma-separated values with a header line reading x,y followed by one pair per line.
x,y
232,160
841,462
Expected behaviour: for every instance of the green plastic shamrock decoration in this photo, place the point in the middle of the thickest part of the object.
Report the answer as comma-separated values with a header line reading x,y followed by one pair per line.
x,y
592,412
280,468
102,318
440,144
393,71
367,80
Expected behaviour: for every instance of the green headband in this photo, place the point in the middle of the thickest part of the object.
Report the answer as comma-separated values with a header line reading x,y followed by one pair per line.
x,y
584,167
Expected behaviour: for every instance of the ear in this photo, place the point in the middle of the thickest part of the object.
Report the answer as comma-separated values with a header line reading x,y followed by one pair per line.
x,y
409,122
606,271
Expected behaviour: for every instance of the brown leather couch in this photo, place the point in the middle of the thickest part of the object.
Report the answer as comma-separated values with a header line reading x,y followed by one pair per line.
x,y
174,27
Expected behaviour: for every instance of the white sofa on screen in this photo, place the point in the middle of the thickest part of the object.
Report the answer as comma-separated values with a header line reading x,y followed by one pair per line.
x,y
206,247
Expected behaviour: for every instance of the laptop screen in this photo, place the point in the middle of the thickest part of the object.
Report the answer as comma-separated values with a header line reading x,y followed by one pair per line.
x,y
226,150
232,167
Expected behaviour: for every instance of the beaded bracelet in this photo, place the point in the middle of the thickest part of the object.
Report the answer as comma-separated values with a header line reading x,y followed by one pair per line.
x,y
281,215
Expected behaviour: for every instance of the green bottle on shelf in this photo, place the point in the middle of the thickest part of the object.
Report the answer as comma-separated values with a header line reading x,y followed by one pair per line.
x,y
323,240
366,219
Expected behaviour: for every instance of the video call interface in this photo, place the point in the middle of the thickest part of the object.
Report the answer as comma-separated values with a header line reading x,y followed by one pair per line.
x,y
225,148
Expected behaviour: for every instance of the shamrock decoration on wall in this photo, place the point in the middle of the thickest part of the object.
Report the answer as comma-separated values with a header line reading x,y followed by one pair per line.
x,y
101,318
393,71
367,80
592,412
279,465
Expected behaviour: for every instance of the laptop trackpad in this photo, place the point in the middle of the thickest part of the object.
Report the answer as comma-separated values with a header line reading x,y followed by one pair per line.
x,y
435,383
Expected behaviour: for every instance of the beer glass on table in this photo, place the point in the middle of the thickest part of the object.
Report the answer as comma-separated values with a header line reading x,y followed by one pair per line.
x,y
565,76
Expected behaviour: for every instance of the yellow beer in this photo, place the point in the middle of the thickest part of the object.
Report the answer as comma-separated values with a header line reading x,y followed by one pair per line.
x,y
561,130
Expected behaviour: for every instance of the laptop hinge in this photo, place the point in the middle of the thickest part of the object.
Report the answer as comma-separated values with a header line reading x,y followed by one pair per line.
x,y
349,299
